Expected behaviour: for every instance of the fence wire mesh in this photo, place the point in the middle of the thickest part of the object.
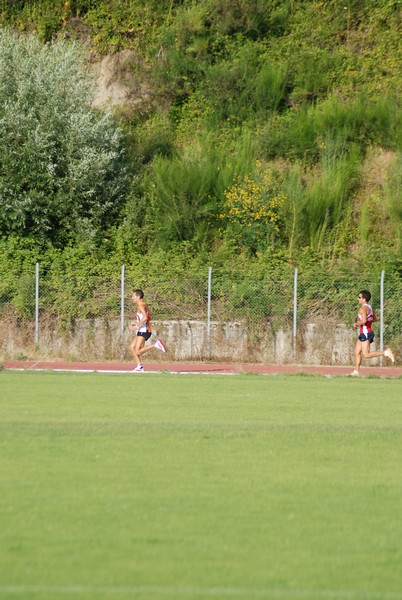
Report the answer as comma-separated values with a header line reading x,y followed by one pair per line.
x,y
170,298
258,306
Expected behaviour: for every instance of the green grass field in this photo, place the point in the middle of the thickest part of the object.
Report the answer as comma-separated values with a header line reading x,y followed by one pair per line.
x,y
166,487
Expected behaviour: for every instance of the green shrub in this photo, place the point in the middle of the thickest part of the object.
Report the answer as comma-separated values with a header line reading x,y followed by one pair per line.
x,y
253,210
62,163
311,82
185,191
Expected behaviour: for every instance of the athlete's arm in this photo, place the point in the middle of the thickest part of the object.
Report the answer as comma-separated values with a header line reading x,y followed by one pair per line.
x,y
364,312
362,316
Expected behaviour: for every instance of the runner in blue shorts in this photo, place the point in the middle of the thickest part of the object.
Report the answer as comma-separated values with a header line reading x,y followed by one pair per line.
x,y
365,319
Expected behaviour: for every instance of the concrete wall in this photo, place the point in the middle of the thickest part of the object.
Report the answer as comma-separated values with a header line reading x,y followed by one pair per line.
x,y
99,339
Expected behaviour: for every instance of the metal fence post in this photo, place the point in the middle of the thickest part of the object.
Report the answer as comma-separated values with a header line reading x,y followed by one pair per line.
x,y
122,324
122,283
209,311
294,314
382,313
36,304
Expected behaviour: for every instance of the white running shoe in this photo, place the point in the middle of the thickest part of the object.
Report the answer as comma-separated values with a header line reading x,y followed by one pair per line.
x,y
138,369
160,345
389,354
355,373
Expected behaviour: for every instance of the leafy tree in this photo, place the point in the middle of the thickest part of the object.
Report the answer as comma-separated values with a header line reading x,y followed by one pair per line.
x,y
62,164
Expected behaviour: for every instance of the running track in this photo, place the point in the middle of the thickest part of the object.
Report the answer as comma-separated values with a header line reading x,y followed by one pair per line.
x,y
196,367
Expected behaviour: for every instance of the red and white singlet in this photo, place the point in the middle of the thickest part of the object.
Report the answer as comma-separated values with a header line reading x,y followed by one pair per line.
x,y
367,327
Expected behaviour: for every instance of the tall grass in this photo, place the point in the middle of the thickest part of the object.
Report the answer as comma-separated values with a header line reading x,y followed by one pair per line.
x,y
328,196
318,203
363,121
393,194
270,86
312,70
294,193
185,191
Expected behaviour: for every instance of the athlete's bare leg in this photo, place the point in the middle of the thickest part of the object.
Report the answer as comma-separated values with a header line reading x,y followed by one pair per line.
x,y
358,356
367,353
136,346
362,349
145,349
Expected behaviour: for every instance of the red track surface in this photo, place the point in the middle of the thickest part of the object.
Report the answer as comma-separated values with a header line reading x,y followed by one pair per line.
x,y
197,367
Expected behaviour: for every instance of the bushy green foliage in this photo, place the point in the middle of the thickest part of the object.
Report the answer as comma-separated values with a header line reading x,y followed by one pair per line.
x,y
253,209
313,85
62,163
185,191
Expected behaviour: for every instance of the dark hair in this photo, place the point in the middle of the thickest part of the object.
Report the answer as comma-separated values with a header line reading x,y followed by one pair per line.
x,y
366,295
139,293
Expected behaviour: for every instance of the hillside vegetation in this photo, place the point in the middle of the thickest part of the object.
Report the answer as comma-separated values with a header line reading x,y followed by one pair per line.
x,y
258,135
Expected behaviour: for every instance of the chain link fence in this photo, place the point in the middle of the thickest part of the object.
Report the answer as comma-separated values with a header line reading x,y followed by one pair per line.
x,y
291,319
